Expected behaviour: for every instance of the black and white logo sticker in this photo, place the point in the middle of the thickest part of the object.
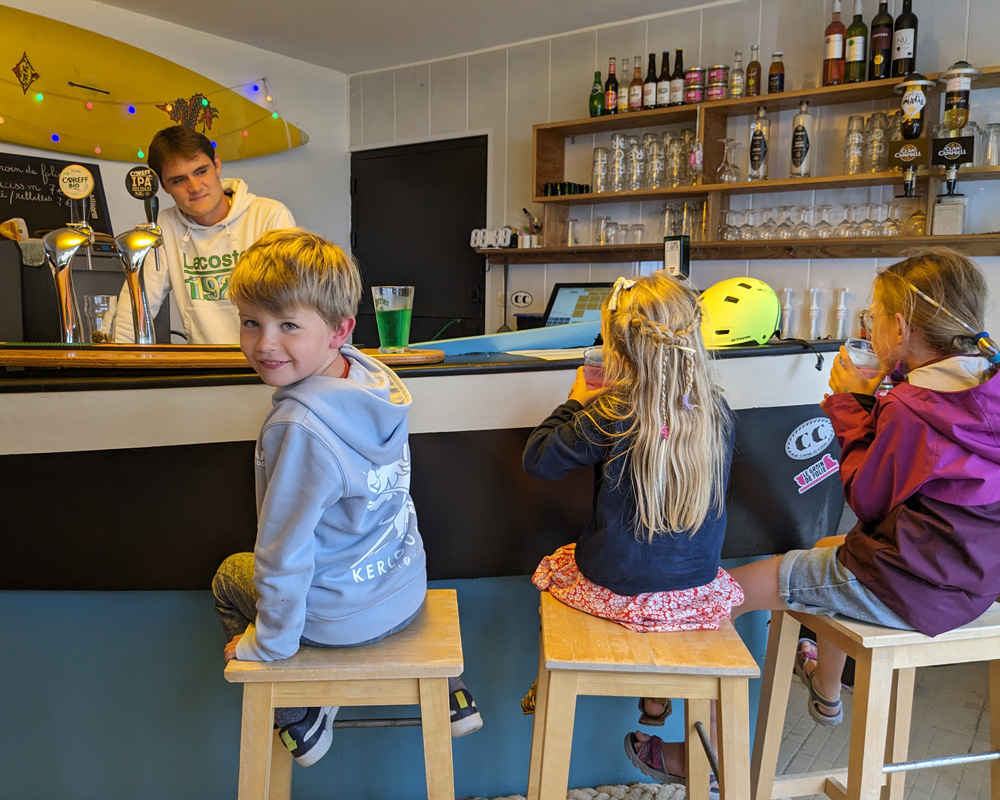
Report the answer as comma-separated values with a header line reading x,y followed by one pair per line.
x,y
809,439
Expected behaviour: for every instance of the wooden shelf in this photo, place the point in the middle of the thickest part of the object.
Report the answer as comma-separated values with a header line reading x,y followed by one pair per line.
x,y
985,244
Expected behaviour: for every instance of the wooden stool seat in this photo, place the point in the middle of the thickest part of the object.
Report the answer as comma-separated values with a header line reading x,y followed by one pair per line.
x,y
883,698
411,667
580,654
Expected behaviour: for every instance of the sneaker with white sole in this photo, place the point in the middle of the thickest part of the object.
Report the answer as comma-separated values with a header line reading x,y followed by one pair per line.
x,y
465,717
310,737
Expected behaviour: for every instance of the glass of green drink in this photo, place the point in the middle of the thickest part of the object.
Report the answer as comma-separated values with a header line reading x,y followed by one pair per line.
x,y
393,309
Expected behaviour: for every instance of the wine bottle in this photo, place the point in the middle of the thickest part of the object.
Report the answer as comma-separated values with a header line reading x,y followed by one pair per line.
x,y
663,84
596,96
677,79
753,72
760,133
623,88
611,89
803,134
649,85
833,49
904,42
880,49
855,60
635,88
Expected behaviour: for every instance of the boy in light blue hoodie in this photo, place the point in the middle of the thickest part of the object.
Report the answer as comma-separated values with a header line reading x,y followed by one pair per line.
x,y
338,561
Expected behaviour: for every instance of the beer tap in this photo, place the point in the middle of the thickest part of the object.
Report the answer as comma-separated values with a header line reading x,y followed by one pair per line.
x,y
142,184
133,247
60,247
77,183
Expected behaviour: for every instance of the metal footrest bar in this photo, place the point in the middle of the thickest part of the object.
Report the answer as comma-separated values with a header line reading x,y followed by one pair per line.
x,y
400,722
944,761
713,760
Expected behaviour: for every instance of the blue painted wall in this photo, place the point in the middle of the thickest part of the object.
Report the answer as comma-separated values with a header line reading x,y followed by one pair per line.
x,y
114,695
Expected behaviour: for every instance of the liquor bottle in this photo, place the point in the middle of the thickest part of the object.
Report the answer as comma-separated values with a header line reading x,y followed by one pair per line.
x,y
649,85
611,89
623,88
803,134
596,96
737,77
635,88
880,50
904,42
677,80
753,72
760,133
776,74
833,49
857,42
663,84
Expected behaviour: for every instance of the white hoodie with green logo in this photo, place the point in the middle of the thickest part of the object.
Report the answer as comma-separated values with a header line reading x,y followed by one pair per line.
x,y
196,262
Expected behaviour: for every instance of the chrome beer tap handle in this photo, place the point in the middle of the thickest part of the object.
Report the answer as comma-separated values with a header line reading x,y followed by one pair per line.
x,y
133,247
60,247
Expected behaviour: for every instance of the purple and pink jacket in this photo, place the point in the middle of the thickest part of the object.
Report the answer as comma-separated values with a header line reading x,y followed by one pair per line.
x,y
922,473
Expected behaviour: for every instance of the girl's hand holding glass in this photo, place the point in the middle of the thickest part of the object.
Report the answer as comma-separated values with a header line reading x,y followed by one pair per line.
x,y
583,392
847,377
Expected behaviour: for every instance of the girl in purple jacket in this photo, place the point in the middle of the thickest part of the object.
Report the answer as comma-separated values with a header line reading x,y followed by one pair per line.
x,y
920,468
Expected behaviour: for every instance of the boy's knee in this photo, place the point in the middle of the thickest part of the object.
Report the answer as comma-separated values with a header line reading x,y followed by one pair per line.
x,y
237,568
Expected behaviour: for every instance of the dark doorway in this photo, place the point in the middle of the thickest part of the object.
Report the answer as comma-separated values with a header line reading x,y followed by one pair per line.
x,y
413,209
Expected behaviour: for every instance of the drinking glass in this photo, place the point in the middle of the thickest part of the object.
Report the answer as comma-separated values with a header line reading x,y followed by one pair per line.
x,y
636,233
393,310
655,162
616,164
876,143
675,162
593,367
599,171
728,232
622,234
746,232
854,145
890,225
695,158
823,229
635,165
728,172
845,228
611,233
785,229
864,219
600,230
916,223
803,230
766,228
572,233
672,219
991,149
96,307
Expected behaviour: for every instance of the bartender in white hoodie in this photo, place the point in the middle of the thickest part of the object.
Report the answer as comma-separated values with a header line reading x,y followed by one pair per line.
x,y
212,223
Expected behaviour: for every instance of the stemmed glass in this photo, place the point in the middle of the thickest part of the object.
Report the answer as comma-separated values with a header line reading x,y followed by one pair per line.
x,y
766,228
785,229
890,225
823,229
845,228
747,231
728,232
866,226
728,172
803,230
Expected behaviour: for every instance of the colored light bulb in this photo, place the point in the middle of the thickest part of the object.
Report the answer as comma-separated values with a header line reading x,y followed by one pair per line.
x,y
39,97
55,137
131,109
246,133
90,106
204,101
256,88
274,115
97,149
141,154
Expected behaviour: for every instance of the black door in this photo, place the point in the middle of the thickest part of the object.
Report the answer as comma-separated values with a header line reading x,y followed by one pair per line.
x,y
413,209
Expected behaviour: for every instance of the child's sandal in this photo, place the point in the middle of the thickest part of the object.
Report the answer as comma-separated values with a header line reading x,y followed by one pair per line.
x,y
821,709
528,701
655,719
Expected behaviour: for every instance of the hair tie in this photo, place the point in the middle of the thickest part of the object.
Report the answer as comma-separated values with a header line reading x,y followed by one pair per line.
x,y
622,284
665,431
980,335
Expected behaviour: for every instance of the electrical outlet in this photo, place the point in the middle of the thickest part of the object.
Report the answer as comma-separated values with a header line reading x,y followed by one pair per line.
x,y
500,300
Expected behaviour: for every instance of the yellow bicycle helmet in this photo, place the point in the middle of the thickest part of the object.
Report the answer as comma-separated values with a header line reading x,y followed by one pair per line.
x,y
739,311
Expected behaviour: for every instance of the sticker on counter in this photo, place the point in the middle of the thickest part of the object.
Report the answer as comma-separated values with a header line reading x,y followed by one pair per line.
x,y
816,473
809,439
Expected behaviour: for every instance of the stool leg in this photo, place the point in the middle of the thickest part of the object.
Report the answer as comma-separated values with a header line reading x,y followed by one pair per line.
x,y
897,742
696,762
869,722
281,771
560,714
256,739
734,739
538,727
995,728
435,720
774,688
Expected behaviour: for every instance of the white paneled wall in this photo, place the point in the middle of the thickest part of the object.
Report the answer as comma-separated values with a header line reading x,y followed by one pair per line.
x,y
507,90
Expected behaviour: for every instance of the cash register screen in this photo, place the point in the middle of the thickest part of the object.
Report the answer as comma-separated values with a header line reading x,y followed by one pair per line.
x,y
575,302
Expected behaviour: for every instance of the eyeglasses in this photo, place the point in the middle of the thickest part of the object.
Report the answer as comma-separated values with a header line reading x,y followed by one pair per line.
x,y
866,320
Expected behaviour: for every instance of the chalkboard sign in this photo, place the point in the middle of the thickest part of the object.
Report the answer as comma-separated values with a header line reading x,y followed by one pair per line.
x,y
29,188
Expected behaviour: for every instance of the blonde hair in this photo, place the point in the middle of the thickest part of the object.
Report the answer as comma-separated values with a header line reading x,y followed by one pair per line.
x,y
949,280
676,420
293,268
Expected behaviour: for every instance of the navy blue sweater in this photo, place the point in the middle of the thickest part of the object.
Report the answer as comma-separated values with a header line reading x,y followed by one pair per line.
x,y
608,552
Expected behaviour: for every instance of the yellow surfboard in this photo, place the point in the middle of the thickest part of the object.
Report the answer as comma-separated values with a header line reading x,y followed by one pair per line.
x,y
71,90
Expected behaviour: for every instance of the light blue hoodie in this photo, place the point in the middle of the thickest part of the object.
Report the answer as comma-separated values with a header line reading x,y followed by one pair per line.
x,y
339,558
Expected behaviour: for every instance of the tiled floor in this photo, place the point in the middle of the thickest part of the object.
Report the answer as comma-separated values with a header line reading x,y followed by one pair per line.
x,y
950,717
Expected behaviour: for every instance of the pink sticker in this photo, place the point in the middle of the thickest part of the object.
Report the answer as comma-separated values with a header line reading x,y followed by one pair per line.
x,y
817,472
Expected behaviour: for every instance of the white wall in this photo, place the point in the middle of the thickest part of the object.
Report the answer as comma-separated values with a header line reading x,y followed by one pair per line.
x,y
311,180
507,90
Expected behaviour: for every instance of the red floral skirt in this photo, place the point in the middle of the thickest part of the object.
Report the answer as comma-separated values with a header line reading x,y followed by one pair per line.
x,y
700,608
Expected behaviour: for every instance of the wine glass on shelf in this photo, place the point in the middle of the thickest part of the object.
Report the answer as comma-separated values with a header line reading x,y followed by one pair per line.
x,y
867,226
803,230
747,231
890,225
766,228
728,232
728,172
845,228
785,229
823,229
916,223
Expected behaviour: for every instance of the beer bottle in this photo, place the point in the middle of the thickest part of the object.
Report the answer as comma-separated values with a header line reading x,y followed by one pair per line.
x,y
776,74
623,88
663,84
611,89
677,80
649,85
596,96
635,88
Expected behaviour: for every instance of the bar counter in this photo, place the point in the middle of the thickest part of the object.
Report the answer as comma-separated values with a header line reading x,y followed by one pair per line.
x,y
115,470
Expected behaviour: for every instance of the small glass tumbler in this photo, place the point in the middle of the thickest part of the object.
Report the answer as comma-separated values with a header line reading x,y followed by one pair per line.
x,y
97,308
877,143
593,367
854,146
599,175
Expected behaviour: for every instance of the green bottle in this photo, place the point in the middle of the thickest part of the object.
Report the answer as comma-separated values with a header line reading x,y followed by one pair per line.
x,y
597,96
857,40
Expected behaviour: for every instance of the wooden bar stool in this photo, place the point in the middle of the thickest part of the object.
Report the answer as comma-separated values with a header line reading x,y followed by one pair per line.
x,y
883,699
580,654
411,667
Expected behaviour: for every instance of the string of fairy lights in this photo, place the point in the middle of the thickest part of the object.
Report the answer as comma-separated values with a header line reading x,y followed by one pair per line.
x,y
255,90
